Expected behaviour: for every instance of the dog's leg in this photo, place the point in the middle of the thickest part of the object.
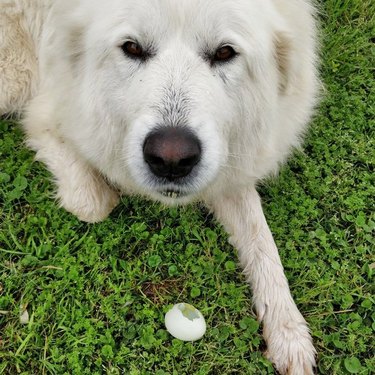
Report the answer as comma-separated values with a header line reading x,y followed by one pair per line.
x,y
289,343
81,190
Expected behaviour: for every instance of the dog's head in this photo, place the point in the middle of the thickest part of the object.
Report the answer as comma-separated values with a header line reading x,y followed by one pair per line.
x,y
171,98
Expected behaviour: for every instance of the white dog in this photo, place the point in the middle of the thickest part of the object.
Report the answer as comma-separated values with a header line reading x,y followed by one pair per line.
x,y
175,100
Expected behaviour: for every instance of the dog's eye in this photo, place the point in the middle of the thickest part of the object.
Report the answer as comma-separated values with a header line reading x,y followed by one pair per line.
x,y
224,53
133,50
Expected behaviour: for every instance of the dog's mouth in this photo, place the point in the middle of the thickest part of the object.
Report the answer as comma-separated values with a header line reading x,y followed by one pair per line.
x,y
173,194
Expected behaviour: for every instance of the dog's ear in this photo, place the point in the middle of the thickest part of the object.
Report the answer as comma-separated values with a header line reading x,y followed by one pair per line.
x,y
285,60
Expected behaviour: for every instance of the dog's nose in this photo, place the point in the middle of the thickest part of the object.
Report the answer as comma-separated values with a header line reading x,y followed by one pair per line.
x,y
172,152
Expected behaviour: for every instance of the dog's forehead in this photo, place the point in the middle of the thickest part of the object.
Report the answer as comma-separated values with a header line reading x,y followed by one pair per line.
x,y
187,17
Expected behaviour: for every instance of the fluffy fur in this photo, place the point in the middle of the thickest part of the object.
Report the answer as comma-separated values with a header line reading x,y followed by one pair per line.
x,y
88,108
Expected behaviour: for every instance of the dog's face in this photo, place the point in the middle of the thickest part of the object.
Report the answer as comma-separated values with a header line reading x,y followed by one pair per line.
x,y
170,94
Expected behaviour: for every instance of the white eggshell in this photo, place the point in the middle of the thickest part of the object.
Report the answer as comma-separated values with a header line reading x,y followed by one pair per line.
x,y
185,322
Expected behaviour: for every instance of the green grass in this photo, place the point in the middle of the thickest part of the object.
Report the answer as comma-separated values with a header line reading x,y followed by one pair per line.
x,y
97,294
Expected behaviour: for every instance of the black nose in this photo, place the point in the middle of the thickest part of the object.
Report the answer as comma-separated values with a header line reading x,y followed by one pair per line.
x,y
171,152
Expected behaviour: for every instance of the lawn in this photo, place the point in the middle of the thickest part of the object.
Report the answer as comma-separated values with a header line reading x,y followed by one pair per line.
x,y
96,295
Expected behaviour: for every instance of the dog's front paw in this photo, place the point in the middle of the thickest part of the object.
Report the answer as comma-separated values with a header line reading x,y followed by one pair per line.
x,y
91,199
290,348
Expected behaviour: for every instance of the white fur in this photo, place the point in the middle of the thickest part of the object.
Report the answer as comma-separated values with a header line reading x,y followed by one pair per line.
x,y
89,108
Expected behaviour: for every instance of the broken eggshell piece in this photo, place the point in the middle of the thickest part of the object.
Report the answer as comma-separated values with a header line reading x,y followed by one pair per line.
x,y
185,322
